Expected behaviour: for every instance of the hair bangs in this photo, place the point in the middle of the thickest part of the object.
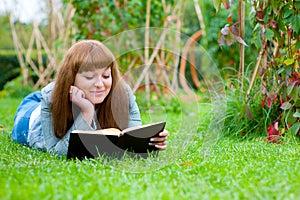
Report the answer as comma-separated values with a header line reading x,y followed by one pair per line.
x,y
97,57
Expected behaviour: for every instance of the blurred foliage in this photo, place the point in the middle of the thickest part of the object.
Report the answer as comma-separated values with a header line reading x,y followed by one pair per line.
x,y
24,32
10,68
16,89
225,56
6,41
103,19
172,106
99,19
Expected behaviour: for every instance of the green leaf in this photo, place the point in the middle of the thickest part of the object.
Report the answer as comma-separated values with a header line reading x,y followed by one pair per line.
x,y
295,128
287,20
287,12
269,34
296,114
290,88
296,23
256,40
280,70
281,25
295,94
297,46
217,4
289,61
297,5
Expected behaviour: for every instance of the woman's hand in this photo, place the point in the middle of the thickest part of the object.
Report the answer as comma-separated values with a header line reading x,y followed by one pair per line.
x,y
77,96
161,141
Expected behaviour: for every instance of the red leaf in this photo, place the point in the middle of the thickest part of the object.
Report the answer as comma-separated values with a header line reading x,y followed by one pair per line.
x,y
273,129
262,103
226,4
262,71
274,138
229,18
260,15
273,24
269,102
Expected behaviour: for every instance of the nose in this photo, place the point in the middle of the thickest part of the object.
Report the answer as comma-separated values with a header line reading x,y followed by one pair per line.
x,y
99,82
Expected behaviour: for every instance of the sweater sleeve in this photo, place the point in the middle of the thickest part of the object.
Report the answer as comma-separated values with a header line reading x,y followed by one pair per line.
x,y
134,112
53,144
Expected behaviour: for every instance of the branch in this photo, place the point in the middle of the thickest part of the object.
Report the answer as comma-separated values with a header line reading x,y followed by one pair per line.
x,y
242,46
261,52
200,16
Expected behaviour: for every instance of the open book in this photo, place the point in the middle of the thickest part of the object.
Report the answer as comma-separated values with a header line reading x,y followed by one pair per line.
x,y
114,142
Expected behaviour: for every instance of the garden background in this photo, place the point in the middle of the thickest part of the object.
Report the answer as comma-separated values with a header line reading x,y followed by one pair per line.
x,y
223,74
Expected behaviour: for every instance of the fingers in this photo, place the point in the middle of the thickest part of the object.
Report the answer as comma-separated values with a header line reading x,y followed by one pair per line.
x,y
76,95
161,141
164,133
158,139
160,146
76,92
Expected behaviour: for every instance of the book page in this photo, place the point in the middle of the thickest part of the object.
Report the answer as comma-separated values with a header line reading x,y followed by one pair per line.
x,y
108,131
139,127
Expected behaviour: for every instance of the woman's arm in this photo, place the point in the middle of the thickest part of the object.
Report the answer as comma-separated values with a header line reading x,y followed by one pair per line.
x,y
134,112
53,144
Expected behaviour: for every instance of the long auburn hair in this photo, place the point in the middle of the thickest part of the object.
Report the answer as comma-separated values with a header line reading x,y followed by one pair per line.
x,y
88,55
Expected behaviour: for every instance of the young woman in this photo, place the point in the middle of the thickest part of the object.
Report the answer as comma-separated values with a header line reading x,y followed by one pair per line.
x,y
88,93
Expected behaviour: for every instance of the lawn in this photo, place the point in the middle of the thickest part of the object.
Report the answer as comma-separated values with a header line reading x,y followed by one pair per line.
x,y
233,168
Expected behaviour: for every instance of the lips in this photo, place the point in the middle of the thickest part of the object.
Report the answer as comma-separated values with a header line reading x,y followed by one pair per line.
x,y
97,93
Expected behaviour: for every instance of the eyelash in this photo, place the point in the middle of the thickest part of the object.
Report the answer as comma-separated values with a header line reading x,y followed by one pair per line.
x,y
91,77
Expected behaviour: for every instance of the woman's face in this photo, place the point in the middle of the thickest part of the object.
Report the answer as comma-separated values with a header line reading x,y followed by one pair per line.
x,y
95,84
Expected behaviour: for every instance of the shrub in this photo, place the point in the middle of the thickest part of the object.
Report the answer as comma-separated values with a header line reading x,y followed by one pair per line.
x,y
9,68
15,88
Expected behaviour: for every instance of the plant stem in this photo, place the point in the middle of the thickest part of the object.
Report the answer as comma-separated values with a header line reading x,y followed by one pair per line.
x,y
261,52
242,47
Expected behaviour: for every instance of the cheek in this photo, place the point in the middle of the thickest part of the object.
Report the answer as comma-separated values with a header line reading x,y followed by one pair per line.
x,y
77,81
82,83
108,83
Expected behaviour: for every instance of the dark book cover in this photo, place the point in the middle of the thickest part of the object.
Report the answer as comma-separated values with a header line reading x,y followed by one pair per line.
x,y
133,141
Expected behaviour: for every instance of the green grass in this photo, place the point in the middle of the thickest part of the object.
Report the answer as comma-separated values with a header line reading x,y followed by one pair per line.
x,y
233,168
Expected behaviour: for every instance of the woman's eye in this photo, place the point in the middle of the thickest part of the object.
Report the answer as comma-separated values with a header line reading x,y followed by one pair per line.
x,y
89,77
106,76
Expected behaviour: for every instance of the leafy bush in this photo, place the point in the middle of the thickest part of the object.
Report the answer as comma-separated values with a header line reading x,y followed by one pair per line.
x,y
15,89
245,117
9,67
277,26
276,32
102,19
168,105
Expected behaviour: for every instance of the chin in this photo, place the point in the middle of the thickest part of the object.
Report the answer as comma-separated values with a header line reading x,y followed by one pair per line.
x,y
97,101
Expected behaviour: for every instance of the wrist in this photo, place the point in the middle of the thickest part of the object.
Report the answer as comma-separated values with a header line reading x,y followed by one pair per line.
x,y
88,116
